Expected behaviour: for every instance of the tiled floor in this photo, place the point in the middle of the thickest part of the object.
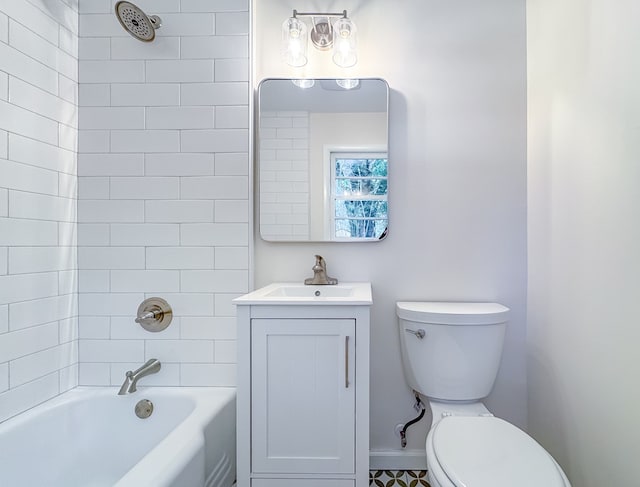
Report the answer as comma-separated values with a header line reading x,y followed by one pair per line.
x,y
398,478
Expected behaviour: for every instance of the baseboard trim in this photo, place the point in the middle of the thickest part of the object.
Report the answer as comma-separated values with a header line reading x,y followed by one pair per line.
x,y
397,460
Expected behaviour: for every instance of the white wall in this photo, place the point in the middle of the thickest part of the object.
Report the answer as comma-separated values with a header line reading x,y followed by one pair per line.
x,y
38,131
584,230
163,177
457,149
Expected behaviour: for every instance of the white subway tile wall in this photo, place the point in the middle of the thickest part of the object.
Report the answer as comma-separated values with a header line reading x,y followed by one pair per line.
x,y
163,181
284,175
38,200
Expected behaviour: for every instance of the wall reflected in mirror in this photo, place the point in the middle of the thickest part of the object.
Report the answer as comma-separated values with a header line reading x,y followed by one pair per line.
x,y
322,160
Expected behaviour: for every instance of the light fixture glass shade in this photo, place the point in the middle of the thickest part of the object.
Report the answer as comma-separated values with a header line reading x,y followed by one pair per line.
x,y
294,42
304,83
345,43
348,84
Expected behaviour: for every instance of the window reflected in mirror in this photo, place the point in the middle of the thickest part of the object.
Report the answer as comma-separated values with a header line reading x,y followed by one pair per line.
x,y
358,204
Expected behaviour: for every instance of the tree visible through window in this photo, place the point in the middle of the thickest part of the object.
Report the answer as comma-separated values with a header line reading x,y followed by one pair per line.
x,y
358,195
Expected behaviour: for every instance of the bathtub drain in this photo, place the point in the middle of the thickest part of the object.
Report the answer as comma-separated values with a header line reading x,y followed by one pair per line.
x,y
144,409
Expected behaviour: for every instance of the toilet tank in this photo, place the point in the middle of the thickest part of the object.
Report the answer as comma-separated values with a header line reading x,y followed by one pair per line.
x,y
459,355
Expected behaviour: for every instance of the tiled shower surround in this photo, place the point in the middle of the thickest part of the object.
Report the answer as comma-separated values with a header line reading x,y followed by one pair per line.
x,y
163,188
148,198
284,175
38,131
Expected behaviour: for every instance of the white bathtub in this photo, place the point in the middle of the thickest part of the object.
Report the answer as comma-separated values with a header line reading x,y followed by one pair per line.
x,y
91,437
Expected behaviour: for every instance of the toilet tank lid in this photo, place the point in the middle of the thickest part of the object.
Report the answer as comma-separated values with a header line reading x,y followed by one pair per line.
x,y
452,313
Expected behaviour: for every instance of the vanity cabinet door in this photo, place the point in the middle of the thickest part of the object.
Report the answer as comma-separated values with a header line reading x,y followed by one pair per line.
x,y
303,396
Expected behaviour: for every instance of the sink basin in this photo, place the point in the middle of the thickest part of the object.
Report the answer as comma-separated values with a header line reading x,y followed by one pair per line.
x,y
298,293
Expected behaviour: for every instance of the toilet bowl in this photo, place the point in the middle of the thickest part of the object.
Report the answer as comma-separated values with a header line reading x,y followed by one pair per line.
x,y
451,355
468,446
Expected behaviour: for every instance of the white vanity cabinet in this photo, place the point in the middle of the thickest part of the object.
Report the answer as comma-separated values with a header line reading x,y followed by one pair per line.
x,y
303,390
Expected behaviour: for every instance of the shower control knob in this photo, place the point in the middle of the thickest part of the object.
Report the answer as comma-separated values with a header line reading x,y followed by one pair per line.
x,y
154,314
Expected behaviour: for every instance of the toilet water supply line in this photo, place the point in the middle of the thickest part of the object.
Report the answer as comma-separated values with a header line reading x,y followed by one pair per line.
x,y
418,406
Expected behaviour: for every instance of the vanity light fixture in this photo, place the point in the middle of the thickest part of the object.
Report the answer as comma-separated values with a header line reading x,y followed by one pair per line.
x,y
328,30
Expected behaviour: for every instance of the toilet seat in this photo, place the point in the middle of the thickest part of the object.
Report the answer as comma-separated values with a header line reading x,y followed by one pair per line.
x,y
485,451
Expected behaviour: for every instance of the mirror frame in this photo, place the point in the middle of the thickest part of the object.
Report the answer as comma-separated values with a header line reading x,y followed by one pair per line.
x,y
257,164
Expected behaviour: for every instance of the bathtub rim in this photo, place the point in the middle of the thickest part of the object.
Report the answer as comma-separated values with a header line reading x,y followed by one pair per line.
x,y
182,442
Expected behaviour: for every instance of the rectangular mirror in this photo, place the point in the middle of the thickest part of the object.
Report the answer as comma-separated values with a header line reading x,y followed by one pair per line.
x,y
322,160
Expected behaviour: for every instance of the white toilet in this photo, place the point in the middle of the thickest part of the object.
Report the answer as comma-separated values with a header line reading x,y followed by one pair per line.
x,y
451,354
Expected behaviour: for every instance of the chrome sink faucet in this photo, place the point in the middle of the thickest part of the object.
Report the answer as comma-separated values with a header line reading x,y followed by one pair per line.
x,y
320,273
151,366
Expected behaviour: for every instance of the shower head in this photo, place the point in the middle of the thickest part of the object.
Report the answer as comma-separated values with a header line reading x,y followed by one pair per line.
x,y
136,22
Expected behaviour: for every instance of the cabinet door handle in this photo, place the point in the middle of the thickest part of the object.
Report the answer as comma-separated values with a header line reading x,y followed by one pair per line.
x,y
346,361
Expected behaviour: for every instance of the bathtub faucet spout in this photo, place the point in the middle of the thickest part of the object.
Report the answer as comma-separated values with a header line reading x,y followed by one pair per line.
x,y
151,366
